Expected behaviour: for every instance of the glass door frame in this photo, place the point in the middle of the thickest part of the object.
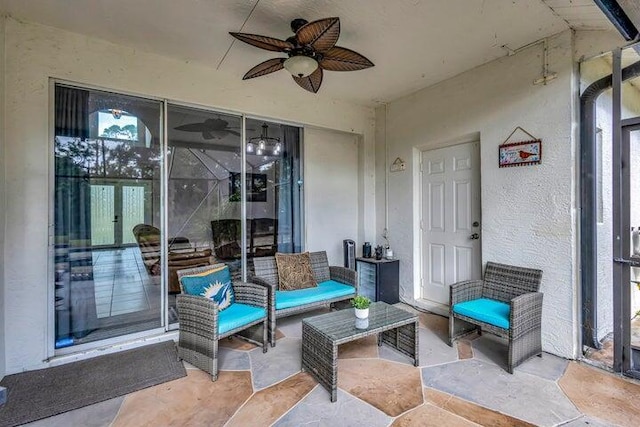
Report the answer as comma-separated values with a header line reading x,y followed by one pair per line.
x,y
77,351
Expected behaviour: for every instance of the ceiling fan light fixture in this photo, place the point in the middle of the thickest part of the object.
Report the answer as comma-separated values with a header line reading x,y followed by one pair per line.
x,y
300,65
250,147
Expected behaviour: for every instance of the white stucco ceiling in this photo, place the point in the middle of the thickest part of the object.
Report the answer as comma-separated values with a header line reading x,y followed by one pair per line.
x,y
413,43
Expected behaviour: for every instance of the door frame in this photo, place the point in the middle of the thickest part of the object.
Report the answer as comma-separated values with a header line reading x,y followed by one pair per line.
x,y
623,353
418,231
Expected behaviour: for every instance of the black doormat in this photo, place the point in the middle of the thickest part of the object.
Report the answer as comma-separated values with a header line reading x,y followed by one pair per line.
x,y
43,393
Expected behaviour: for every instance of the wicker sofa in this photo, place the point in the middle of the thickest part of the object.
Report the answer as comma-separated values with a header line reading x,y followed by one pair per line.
x,y
505,303
334,284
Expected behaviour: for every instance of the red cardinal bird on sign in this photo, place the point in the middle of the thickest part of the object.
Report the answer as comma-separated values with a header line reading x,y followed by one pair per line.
x,y
525,155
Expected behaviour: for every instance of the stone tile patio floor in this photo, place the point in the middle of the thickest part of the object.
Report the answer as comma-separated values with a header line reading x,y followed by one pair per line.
x,y
462,386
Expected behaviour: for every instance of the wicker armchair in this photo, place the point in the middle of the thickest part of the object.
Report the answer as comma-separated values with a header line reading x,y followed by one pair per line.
x,y
506,303
199,321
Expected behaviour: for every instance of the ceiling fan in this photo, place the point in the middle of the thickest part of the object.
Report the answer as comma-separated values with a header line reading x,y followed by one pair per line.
x,y
311,50
210,128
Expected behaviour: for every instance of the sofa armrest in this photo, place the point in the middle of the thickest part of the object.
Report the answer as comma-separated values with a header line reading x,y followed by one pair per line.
x,y
344,275
466,290
198,315
251,293
525,313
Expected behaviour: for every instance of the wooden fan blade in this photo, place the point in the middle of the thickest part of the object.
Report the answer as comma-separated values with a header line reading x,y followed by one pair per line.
x,y
342,59
312,82
322,34
264,42
265,67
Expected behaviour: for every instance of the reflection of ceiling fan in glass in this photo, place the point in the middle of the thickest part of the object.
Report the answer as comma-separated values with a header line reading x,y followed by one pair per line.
x,y
264,143
210,128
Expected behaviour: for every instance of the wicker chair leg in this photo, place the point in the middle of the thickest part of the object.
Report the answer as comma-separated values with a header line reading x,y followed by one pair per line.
x,y
265,333
451,329
214,362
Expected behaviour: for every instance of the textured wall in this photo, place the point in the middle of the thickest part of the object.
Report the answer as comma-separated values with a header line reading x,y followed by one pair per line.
x,y
35,53
528,213
332,211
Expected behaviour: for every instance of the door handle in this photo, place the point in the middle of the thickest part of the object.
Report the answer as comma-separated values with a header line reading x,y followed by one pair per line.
x,y
631,262
474,236
115,219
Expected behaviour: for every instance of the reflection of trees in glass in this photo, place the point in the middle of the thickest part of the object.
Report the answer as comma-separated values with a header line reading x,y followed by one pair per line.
x,y
107,158
128,132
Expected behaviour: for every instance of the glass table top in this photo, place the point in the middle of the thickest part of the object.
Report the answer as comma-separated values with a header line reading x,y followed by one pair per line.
x,y
342,324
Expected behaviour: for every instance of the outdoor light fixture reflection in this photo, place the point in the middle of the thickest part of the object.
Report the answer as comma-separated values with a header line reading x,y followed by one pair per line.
x,y
264,143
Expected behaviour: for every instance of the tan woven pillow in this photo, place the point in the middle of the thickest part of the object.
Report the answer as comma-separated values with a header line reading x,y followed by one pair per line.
x,y
294,271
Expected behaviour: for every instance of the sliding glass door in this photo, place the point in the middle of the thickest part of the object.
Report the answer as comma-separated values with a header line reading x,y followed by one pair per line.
x,y
274,189
108,158
135,204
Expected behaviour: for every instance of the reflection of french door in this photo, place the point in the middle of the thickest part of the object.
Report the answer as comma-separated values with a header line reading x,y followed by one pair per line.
x,y
626,250
116,207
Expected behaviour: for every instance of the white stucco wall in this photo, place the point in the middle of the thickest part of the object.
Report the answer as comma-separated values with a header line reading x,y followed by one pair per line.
x,y
529,215
34,54
332,208
2,202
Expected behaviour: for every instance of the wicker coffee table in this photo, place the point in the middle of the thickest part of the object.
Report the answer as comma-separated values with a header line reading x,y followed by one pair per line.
x,y
321,336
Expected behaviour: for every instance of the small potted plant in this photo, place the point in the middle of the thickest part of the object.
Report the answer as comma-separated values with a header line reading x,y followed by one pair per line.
x,y
361,304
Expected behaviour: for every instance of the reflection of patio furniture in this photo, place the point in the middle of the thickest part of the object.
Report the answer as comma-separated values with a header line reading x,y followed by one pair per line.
x,y
181,254
263,240
506,303
227,237
321,336
202,324
334,284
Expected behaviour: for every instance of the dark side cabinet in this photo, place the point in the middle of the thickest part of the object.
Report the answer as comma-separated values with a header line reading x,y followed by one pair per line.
x,y
378,279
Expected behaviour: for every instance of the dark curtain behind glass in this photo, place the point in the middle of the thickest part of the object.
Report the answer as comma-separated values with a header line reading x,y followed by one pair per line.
x,y
289,203
75,298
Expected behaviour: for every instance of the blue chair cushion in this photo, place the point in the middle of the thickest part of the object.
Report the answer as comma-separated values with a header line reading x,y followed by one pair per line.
x,y
237,315
214,284
485,310
326,290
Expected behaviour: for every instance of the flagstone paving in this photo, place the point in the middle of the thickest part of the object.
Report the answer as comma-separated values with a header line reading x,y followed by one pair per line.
x,y
464,385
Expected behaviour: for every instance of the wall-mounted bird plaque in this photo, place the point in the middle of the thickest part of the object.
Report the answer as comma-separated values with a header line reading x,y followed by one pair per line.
x,y
522,153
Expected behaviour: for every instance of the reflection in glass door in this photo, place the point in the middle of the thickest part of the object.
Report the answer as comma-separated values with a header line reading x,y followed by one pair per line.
x,y
204,219
116,208
107,263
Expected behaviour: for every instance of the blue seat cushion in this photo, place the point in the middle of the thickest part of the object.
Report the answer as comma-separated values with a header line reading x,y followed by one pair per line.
x,y
237,315
326,290
485,310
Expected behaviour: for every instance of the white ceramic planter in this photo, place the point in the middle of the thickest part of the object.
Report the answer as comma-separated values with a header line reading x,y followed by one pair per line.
x,y
362,323
362,313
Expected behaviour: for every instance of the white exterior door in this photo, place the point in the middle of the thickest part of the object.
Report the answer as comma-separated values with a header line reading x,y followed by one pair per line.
x,y
450,221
